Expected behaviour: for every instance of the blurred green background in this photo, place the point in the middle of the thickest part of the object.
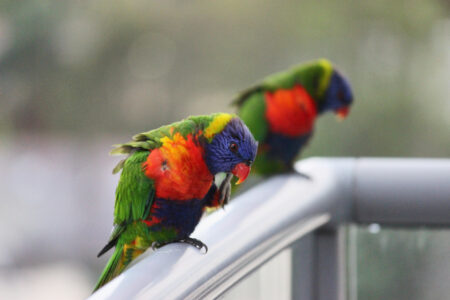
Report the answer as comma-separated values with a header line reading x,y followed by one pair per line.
x,y
78,76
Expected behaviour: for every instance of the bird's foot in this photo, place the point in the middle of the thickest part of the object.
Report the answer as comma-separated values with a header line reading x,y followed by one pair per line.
x,y
156,245
194,242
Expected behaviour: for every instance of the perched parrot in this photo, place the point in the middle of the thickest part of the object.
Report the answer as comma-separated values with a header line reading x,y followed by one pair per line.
x,y
281,110
167,181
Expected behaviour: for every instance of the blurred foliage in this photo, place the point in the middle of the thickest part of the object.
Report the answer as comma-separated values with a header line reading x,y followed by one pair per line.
x,y
91,67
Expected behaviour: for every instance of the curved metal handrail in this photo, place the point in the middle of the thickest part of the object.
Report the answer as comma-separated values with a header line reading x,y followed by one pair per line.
x,y
263,221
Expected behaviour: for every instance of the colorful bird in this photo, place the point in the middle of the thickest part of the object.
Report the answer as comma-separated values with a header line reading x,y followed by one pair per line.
x,y
280,112
167,181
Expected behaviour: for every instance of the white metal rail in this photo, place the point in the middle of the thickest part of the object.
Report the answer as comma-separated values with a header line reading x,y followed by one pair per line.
x,y
273,215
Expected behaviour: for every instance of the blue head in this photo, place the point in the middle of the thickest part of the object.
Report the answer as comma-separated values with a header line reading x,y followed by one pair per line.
x,y
232,150
338,96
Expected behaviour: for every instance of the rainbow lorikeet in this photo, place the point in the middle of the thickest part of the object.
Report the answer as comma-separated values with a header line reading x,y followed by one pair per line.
x,y
167,181
281,111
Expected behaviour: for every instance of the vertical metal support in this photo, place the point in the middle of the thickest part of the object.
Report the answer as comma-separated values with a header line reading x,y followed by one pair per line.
x,y
302,281
352,262
330,266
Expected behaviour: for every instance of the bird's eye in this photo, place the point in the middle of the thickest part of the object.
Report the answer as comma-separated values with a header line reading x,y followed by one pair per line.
x,y
233,147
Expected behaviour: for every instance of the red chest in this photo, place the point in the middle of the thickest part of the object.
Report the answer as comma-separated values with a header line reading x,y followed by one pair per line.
x,y
290,112
178,169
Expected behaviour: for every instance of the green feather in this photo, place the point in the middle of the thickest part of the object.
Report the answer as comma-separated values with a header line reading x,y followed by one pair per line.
x,y
120,258
151,139
134,194
309,75
253,112
313,76
268,165
109,271
119,166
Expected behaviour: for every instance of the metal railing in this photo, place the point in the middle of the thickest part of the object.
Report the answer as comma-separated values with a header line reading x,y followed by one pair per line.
x,y
260,223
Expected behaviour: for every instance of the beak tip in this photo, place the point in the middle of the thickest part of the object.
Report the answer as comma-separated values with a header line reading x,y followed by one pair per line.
x,y
241,171
342,113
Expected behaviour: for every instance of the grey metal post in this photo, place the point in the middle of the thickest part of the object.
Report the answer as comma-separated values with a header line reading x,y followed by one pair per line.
x,y
303,263
329,265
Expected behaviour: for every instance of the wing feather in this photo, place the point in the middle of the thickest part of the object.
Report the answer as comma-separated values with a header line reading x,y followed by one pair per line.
x,y
135,192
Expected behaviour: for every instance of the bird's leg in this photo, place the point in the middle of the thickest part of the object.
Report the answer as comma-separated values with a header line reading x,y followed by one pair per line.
x,y
194,242
225,189
303,175
156,245
299,173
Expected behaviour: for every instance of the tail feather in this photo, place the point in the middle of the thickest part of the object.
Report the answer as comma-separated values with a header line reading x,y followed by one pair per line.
x,y
122,256
108,246
115,235
112,268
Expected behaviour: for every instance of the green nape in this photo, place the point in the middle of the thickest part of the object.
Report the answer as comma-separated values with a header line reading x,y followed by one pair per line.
x,y
203,121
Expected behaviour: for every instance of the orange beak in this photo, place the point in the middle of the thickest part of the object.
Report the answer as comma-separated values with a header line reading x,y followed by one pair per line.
x,y
241,171
342,112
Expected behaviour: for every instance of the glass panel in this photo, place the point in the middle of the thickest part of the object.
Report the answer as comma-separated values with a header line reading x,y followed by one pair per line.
x,y
392,263
271,281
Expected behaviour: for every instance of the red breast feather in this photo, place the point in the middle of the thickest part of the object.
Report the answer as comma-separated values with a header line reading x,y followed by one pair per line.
x,y
290,112
178,169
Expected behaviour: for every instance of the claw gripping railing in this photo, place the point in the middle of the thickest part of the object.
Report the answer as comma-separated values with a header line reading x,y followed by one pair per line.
x,y
271,216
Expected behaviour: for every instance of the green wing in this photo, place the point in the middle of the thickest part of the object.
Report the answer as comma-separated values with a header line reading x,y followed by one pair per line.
x,y
311,76
151,140
135,192
252,111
